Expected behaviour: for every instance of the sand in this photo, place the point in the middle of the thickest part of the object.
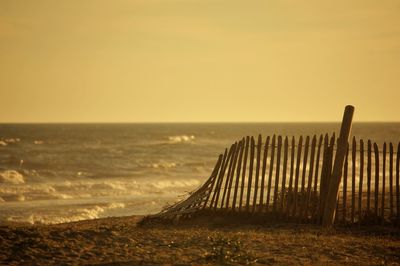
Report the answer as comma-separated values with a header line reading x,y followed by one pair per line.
x,y
120,241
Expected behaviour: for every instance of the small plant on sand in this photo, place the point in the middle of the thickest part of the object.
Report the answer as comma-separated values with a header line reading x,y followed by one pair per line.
x,y
227,251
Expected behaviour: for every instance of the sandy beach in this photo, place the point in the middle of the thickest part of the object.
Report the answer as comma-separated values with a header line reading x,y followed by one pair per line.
x,y
121,241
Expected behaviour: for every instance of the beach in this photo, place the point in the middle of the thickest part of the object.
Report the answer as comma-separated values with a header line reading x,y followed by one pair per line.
x,y
70,199
121,241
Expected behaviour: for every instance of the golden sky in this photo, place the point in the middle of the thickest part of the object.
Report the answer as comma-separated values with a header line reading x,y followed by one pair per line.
x,y
198,60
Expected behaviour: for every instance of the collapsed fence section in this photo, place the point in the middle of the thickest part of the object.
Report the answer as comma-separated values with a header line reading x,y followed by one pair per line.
x,y
288,179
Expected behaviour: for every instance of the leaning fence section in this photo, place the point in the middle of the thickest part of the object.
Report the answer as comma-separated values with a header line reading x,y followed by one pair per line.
x,y
288,178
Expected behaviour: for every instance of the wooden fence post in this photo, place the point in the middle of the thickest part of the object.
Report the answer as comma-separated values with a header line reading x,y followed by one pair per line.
x,y
331,199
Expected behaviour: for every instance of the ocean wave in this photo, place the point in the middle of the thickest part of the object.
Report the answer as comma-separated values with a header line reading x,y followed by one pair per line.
x,y
11,177
85,189
181,138
38,142
73,215
6,141
163,165
12,140
13,197
25,192
163,184
116,185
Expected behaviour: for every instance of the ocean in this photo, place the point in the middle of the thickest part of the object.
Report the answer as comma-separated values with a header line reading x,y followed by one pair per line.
x,y
54,173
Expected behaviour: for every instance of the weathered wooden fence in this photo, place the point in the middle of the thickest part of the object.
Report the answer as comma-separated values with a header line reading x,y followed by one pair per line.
x,y
290,179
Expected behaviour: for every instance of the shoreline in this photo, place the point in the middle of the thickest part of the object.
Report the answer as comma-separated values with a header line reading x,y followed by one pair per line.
x,y
120,241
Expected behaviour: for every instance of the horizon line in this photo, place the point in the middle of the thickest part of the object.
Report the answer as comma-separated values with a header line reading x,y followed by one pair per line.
x,y
193,122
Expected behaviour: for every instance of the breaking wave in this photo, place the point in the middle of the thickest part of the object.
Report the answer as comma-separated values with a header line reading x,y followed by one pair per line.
x,y
163,165
181,138
176,184
11,177
85,189
6,141
73,215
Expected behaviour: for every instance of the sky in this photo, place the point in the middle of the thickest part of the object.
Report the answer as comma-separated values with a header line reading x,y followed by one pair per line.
x,y
198,60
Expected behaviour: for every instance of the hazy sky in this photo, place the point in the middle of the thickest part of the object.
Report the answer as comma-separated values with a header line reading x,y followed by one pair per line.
x,y
198,60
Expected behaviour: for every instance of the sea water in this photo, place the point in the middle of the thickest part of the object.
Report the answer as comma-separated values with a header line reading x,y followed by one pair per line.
x,y
54,173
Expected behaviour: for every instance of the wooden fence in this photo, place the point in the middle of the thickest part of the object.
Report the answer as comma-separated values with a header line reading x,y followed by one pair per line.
x,y
288,178
303,180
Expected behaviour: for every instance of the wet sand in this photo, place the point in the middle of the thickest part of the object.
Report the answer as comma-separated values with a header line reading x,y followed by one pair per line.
x,y
120,241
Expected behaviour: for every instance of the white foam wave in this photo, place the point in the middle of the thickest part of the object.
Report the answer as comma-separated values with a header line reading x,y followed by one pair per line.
x,y
6,141
38,142
85,189
26,192
125,187
176,184
116,185
163,165
12,140
115,205
11,177
88,213
181,138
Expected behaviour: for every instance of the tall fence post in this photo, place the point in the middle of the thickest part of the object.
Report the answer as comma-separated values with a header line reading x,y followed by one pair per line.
x,y
333,189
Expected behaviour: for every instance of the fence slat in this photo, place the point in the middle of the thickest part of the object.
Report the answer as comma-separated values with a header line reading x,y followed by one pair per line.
x,y
228,197
317,177
360,181
277,171
397,182
244,173
376,194
345,173
342,145
221,178
238,169
310,177
228,176
329,176
264,168
323,180
369,176
197,197
271,170
217,168
296,179
232,175
383,182
250,174
353,178
315,193
289,198
303,178
285,159
391,180
257,177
